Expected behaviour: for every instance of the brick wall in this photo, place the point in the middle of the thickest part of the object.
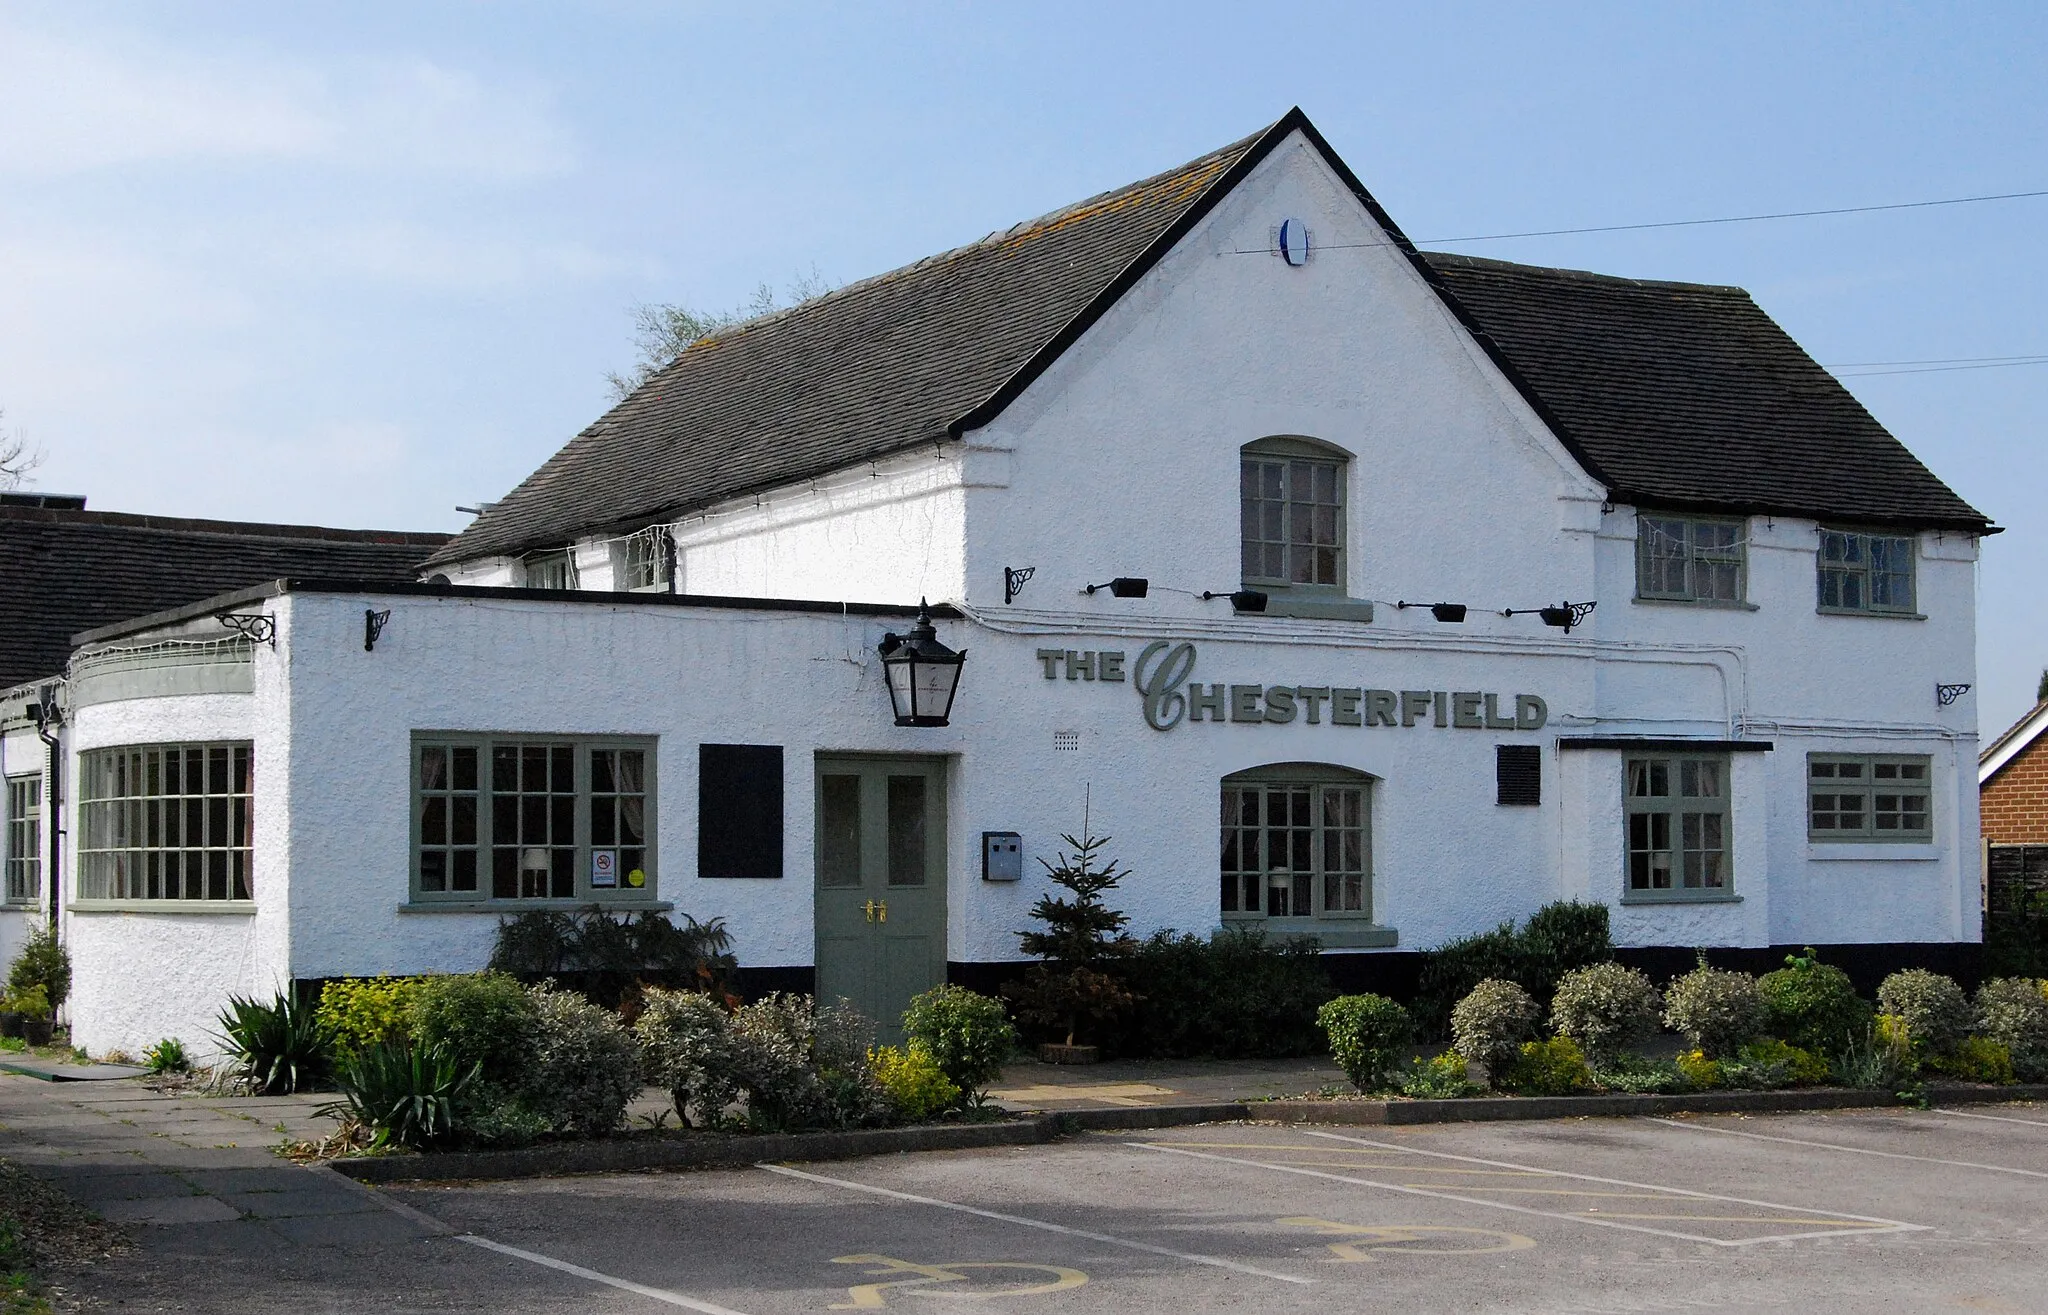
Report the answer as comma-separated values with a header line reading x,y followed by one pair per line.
x,y
2015,802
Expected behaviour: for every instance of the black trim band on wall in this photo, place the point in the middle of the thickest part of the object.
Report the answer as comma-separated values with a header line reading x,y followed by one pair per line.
x,y
1662,745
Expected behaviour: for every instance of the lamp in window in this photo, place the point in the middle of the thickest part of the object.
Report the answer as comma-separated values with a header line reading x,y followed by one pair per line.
x,y
922,674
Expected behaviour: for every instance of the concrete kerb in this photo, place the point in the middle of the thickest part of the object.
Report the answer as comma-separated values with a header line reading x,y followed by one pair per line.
x,y
641,1154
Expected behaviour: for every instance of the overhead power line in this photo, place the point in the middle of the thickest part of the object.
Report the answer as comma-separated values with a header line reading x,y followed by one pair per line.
x,y
1739,219
1939,369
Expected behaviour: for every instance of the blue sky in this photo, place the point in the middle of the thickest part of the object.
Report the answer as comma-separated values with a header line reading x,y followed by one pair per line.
x,y
357,265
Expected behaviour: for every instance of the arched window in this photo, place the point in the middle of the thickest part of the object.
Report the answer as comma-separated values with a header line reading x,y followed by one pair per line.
x,y
1297,843
1291,496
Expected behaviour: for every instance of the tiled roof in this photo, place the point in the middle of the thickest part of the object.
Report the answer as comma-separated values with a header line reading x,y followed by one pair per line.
x,y
1688,395
62,572
877,367
1671,393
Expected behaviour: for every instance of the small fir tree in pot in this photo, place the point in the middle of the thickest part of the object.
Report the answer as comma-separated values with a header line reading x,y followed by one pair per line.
x,y
1080,940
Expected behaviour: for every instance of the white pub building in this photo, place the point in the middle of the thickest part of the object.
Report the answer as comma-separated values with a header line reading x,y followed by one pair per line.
x,y
1357,592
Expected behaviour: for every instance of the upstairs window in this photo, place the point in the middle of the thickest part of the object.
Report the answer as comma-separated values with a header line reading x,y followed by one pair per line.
x,y
1291,496
640,562
1681,559
1869,573
549,570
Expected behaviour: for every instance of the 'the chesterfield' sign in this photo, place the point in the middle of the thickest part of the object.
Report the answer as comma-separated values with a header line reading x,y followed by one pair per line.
x,y
1161,677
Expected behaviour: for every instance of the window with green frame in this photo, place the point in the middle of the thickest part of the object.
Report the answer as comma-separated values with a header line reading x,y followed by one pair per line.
x,y
532,817
1861,797
1862,572
1297,843
167,822
1678,826
1291,507
24,856
1690,560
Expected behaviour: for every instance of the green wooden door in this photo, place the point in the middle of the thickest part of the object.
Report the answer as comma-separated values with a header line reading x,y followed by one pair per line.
x,y
881,861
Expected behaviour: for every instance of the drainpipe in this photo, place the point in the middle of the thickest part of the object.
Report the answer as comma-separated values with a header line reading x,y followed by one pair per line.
x,y
47,715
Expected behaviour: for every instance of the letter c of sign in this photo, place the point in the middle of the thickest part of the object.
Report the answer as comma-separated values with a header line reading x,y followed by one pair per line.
x,y
1158,681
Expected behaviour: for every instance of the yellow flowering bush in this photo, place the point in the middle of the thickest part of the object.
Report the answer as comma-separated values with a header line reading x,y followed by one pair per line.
x,y
1698,1069
359,1012
916,1084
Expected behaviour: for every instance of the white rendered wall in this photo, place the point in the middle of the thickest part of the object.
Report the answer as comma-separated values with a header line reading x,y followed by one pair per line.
x,y
140,976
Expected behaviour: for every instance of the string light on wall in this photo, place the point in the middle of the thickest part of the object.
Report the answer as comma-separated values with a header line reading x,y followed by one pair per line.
x,y
1243,600
1564,616
1124,586
1449,612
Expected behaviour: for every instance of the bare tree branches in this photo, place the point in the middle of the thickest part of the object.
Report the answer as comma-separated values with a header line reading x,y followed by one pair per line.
x,y
17,459
662,331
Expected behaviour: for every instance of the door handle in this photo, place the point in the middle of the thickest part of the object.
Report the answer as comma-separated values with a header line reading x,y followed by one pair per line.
x,y
877,910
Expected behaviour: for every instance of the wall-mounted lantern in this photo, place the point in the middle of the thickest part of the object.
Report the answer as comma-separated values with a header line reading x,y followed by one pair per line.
x,y
1124,586
1243,600
923,674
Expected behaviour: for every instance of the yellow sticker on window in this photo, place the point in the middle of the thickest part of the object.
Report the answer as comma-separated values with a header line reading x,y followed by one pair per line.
x,y
636,878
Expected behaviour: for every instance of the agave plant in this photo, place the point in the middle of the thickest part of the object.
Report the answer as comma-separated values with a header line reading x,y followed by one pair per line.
x,y
275,1048
407,1094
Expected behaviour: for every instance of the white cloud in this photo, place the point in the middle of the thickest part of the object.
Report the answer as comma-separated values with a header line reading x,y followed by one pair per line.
x,y
71,105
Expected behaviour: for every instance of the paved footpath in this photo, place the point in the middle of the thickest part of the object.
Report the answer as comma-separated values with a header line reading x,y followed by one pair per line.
x,y
220,1222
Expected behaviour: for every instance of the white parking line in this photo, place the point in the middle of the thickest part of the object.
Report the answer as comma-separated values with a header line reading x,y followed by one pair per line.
x,y
1866,1224
1994,1118
624,1285
1126,1243
1848,1150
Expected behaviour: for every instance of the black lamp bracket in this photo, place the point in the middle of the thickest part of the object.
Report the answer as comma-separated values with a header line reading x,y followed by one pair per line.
x,y
1013,581
256,627
373,627
1947,694
1565,616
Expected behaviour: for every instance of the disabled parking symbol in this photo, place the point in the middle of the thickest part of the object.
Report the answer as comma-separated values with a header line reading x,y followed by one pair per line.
x,y
1364,1239
922,1279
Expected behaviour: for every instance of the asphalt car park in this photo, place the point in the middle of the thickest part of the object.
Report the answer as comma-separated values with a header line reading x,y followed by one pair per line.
x,y
1898,1210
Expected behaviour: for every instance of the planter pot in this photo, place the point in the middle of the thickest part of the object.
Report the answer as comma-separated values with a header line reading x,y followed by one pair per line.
x,y
1055,1052
10,1024
36,1031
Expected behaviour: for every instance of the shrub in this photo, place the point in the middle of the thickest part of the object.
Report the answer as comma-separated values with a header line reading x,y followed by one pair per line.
x,y
29,1001
686,1047
1718,1010
1635,1073
804,1067
583,1069
360,1012
1699,1071
2013,1011
1558,938
274,1048
1490,1024
1367,1035
916,1084
482,1020
1556,1067
1976,1059
1441,1078
1792,1065
1813,1005
42,961
966,1033
410,1095
1930,1007
1605,1008
1878,1060
167,1056
1562,937
1235,994
612,959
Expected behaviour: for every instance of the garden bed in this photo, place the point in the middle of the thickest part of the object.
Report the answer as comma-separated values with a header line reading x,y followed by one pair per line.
x,y
1479,1109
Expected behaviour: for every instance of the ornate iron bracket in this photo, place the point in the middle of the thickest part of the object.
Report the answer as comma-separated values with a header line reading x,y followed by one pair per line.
x,y
373,626
1947,694
1013,581
257,627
